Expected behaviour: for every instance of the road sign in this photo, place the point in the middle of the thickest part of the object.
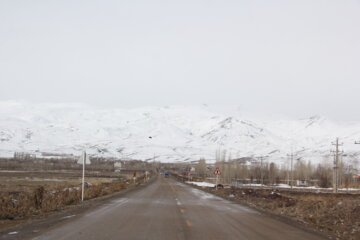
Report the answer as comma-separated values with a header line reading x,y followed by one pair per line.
x,y
189,176
217,172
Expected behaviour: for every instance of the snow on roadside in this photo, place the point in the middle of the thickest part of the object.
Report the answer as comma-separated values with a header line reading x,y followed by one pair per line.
x,y
295,187
206,184
251,185
202,184
314,187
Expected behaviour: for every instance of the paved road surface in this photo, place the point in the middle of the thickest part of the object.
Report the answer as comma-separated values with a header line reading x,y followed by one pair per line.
x,y
167,209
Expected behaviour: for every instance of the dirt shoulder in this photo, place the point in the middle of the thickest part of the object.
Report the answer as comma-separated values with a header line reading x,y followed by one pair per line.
x,y
335,215
25,228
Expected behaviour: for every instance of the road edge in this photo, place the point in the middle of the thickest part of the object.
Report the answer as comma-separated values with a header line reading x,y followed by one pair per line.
x,y
43,223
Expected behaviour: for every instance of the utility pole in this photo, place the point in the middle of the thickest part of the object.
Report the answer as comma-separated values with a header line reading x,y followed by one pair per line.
x,y
83,177
261,158
356,142
336,166
291,168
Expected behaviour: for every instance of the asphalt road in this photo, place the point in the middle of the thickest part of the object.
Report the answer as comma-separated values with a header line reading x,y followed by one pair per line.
x,y
167,209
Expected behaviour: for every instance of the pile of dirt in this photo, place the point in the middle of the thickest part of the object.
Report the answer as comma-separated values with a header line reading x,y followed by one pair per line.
x,y
337,215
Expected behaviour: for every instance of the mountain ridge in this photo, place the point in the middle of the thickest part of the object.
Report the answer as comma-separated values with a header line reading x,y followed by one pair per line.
x,y
171,133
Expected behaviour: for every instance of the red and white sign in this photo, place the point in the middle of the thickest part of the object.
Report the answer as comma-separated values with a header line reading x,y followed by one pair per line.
x,y
217,171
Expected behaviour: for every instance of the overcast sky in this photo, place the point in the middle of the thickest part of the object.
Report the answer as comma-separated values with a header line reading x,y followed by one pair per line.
x,y
297,58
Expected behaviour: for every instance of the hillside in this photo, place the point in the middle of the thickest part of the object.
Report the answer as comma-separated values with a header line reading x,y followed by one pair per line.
x,y
175,133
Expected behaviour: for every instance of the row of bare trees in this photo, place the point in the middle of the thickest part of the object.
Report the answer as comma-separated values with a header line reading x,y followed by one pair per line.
x,y
270,173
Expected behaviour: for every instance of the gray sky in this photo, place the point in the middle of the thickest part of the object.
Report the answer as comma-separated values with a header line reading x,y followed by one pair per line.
x,y
292,57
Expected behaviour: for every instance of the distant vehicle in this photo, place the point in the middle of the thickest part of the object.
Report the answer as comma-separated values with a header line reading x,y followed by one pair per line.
x,y
167,174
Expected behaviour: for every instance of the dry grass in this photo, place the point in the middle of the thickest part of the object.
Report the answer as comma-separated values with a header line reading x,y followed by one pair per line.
x,y
45,198
334,214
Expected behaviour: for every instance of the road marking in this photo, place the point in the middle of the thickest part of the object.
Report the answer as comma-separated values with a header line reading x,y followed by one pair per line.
x,y
188,223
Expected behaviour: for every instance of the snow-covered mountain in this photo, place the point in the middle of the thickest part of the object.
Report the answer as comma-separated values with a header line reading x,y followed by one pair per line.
x,y
176,133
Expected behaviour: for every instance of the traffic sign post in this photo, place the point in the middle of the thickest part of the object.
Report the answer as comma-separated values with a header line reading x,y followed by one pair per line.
x,y
189,177
217,172
134,177
146,176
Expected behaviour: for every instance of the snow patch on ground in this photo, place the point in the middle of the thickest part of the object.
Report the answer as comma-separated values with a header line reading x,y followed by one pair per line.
x,y
71,216
204,196
202,184
294,187
252,185
314,187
